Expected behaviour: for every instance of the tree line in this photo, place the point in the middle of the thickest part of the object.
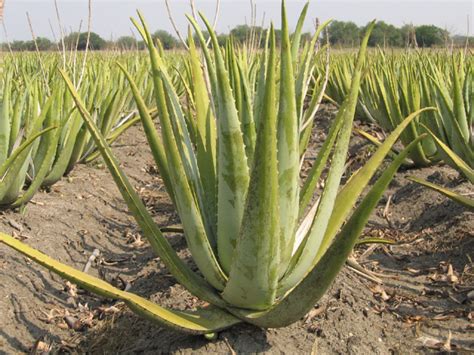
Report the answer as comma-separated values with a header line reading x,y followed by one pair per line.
x,y
340,34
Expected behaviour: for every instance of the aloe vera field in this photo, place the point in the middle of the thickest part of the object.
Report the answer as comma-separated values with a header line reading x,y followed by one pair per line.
x,y
283,190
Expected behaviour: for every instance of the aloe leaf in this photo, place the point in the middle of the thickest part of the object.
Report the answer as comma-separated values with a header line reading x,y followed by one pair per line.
x,y
13,170
185,276
16,118
156,144
453,158
202,321
463,200
247,119
197,235
254,272
210,66
296,37
288,146
9,171
61,163
232,169
392,153
50,142
5,121
374,241
319,164
348,195
304,296
206,138
458,104
115,134
315,237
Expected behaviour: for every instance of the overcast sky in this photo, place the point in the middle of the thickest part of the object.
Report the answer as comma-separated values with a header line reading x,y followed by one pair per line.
x,y
111,17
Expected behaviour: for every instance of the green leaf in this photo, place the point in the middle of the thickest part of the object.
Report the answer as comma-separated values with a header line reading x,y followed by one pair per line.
x,y
305,257
203,321
463,200
153,137
232,169
288,146
196,233
185,276
254,273
348,195
304,296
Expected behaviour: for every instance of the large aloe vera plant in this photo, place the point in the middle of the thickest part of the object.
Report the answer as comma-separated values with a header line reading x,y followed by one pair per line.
x,y
266,252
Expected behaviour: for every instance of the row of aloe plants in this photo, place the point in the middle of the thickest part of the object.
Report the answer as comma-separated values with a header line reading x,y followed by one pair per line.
x,y
267,243
397,84
42,135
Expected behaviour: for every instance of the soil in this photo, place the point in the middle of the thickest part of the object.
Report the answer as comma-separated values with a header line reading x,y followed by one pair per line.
x,y
424,303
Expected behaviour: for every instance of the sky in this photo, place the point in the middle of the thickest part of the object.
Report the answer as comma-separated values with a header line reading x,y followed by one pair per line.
x,y
111,18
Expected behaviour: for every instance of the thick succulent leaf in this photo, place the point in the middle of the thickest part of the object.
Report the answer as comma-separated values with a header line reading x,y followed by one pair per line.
x,y
288,145
50,142
203,321
458,104
254,273
88,157
453,158
247,119
349,194
206,135
304,79
319,164
13,170
463,200
16,118
232,169
5,121
311,244
153,137
296,37
61,163
210,66
197,236
185,276
392,153
303,297
9,171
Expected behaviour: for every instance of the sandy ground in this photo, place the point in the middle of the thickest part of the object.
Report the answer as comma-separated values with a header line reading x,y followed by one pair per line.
x,y
422,305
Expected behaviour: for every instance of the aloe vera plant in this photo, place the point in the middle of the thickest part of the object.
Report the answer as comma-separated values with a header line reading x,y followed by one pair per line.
x,y
266,253
396,86
24,121
457,162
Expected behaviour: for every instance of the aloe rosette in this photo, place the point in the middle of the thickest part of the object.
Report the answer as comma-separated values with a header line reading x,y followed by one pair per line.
x,y
265,251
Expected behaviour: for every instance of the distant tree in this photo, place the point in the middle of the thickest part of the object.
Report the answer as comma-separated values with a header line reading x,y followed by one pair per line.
x,y
126,43
344,33
385,34
205,34
241,33
166,39
306,36
460,41
408,35
95,42
18,46
44,44
222,39
429,36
